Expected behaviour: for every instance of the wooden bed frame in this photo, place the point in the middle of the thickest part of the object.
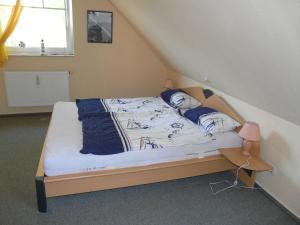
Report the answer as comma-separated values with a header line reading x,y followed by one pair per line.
x,y
116,178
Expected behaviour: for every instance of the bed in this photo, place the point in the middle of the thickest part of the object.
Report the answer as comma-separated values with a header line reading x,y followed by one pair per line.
x,y
62,170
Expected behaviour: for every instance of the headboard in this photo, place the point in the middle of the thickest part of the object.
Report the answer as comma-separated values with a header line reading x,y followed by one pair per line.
x,y
215,102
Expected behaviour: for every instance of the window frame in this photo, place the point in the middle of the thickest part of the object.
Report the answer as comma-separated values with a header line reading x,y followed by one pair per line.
x,y
36,51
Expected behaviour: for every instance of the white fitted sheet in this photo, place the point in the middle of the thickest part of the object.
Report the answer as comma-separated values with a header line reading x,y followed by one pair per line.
x,y
64,141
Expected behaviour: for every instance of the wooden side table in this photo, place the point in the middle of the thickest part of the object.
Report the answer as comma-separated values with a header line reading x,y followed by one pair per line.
x,y
248,172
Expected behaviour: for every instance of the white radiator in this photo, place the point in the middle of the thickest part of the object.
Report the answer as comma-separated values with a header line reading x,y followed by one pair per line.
x,y
36,88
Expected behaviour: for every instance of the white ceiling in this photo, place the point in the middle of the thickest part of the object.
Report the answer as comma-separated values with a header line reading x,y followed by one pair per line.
x,y
249,49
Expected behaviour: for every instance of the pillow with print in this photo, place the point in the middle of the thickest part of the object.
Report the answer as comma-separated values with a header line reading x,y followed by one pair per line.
x,y
211,120
178,99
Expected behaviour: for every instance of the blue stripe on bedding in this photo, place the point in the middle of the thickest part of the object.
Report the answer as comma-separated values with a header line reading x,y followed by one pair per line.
x,y
122,132
106,106
89,107
101,136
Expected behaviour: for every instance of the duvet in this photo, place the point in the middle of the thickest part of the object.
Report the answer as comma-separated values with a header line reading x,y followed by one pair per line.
x,y
112,126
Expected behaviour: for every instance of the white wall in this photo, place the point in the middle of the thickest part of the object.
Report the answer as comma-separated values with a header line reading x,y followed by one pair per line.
x,y
248,49
280,147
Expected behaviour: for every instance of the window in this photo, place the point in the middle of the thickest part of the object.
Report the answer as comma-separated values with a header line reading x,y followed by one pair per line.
x,y
47,21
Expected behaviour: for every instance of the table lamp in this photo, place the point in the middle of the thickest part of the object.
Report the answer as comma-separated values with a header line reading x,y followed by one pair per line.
x,y
250,133
168,84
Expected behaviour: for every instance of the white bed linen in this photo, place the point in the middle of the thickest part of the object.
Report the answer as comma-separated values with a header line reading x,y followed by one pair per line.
x,y
143,104
64,141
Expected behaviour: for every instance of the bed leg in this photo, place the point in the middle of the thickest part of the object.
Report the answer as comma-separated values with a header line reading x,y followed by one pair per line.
x,y
41,194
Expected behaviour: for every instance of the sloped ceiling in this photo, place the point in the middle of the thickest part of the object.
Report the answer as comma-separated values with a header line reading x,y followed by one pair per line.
x,y
249,49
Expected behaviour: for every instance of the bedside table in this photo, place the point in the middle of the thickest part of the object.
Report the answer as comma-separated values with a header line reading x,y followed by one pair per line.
x,y
235,156
256,164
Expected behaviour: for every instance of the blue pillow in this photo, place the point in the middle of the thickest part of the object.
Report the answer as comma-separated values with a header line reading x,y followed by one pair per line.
x,y
211,120
178,99
166,95
194,114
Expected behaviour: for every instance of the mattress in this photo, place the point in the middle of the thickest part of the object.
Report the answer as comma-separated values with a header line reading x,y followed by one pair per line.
x,y
64,142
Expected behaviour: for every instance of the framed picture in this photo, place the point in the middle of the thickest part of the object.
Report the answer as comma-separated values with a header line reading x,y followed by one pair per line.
x,y
100,24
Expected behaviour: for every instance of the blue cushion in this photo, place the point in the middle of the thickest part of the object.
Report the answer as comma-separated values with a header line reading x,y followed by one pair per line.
x,y
194,114
211,120
178,99
166,95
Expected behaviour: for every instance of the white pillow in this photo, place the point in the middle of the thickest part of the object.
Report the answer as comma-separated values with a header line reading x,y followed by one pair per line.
x,y
182,100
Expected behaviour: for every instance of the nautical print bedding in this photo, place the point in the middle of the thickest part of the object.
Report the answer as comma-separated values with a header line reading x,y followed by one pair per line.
x,y
148,130
92,107
64,141
112,126
111,133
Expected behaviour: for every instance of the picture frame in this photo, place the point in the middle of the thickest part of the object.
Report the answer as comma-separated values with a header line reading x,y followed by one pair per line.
x,y
99,26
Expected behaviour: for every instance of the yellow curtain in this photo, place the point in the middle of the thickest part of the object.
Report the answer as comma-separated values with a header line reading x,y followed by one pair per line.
x,y
11,24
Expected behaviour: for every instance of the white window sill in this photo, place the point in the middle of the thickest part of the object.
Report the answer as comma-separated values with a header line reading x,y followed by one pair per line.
x,y
39,55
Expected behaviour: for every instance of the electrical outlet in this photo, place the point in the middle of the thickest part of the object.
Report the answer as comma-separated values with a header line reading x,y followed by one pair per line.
x,y
205,78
